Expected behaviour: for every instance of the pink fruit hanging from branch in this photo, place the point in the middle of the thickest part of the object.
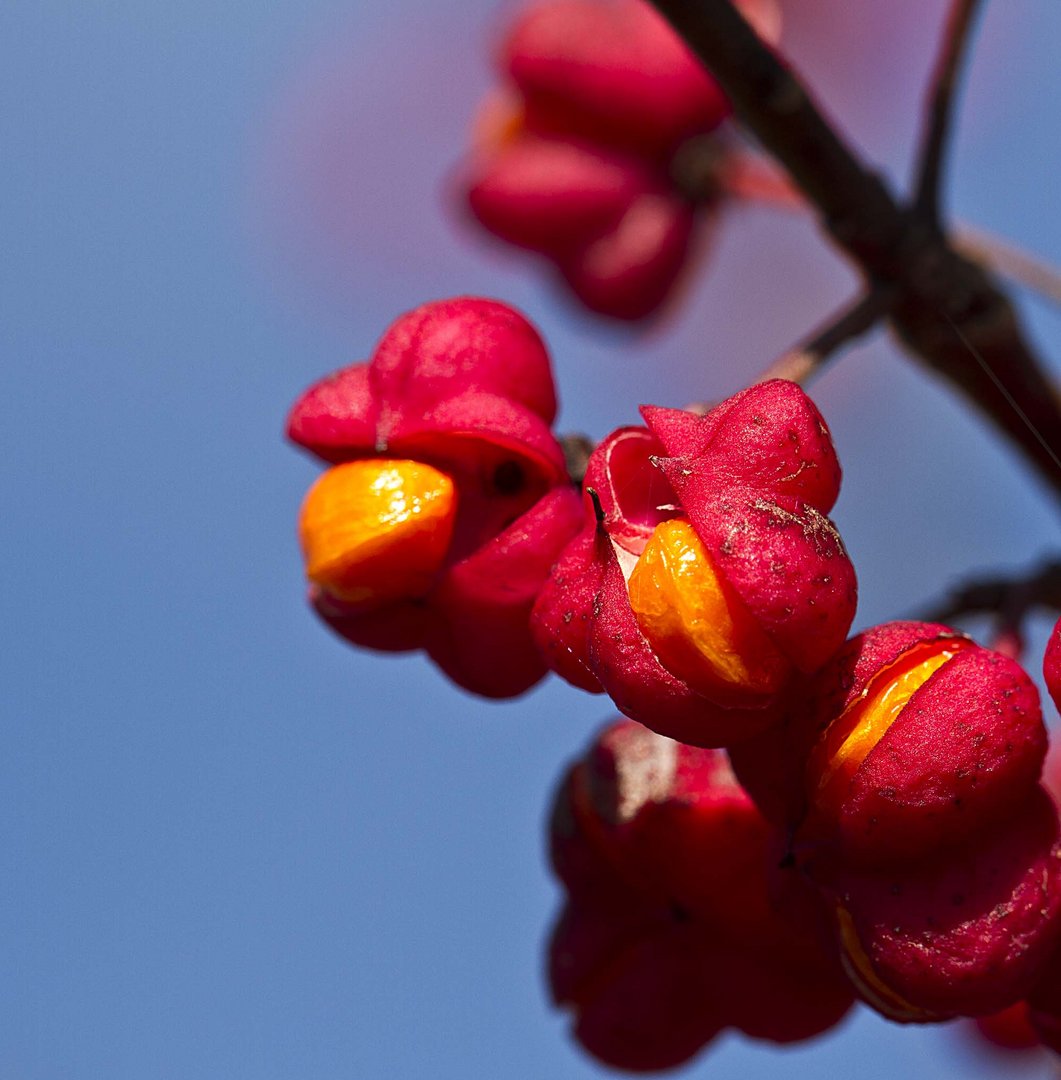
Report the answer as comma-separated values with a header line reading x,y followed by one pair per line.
x,y
707,575
603,153
448,496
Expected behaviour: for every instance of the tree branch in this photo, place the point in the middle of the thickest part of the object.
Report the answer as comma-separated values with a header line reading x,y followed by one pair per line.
x,y
940,111
797,365
779,111
1010,261
1010,598
805,360
947,310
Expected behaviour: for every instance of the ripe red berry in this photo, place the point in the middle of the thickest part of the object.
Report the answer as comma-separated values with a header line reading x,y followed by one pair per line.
x,y
707,575
916,737
1052,664
967,932
448,499
676,924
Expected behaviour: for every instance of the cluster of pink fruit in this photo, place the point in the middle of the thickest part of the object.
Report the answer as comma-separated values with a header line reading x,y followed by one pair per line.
x,y
606,151
878,829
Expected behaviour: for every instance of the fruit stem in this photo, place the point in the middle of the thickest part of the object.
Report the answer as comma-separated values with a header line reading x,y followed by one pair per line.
x,y
1010,261
805,360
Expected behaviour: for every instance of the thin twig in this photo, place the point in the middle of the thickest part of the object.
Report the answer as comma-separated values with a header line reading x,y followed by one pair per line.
x,y
754,179
807,359
942,89
706,167
1010,597
746,175
1010,261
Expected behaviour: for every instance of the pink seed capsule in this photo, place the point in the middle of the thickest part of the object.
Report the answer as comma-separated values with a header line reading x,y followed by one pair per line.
x,y
918,738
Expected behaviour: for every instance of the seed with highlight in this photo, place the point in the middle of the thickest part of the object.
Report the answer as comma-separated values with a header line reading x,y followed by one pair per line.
x,y
374,531
695,623
852,736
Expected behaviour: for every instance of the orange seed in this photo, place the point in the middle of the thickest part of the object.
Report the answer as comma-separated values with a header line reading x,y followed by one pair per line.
x,y
850,738
377,530
696,625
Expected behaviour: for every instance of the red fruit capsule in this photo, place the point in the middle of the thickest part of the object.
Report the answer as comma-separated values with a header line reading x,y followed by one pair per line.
x,y
447,501
675,926
1052,664
707,575
612,72
1044,1004
1010,1029
966,933
920,737
601,153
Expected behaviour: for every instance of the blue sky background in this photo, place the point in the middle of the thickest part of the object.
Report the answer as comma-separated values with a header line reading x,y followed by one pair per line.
x,y
231,846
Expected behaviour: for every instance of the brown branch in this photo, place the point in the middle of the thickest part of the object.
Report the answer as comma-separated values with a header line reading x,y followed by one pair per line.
x,y
943,86
777,109
752,178
1010,598
807,359
947,310
1010,261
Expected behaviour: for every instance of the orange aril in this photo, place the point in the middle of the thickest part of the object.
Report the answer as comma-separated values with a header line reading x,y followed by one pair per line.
x,y
501,120
849,739
697,627
377,530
